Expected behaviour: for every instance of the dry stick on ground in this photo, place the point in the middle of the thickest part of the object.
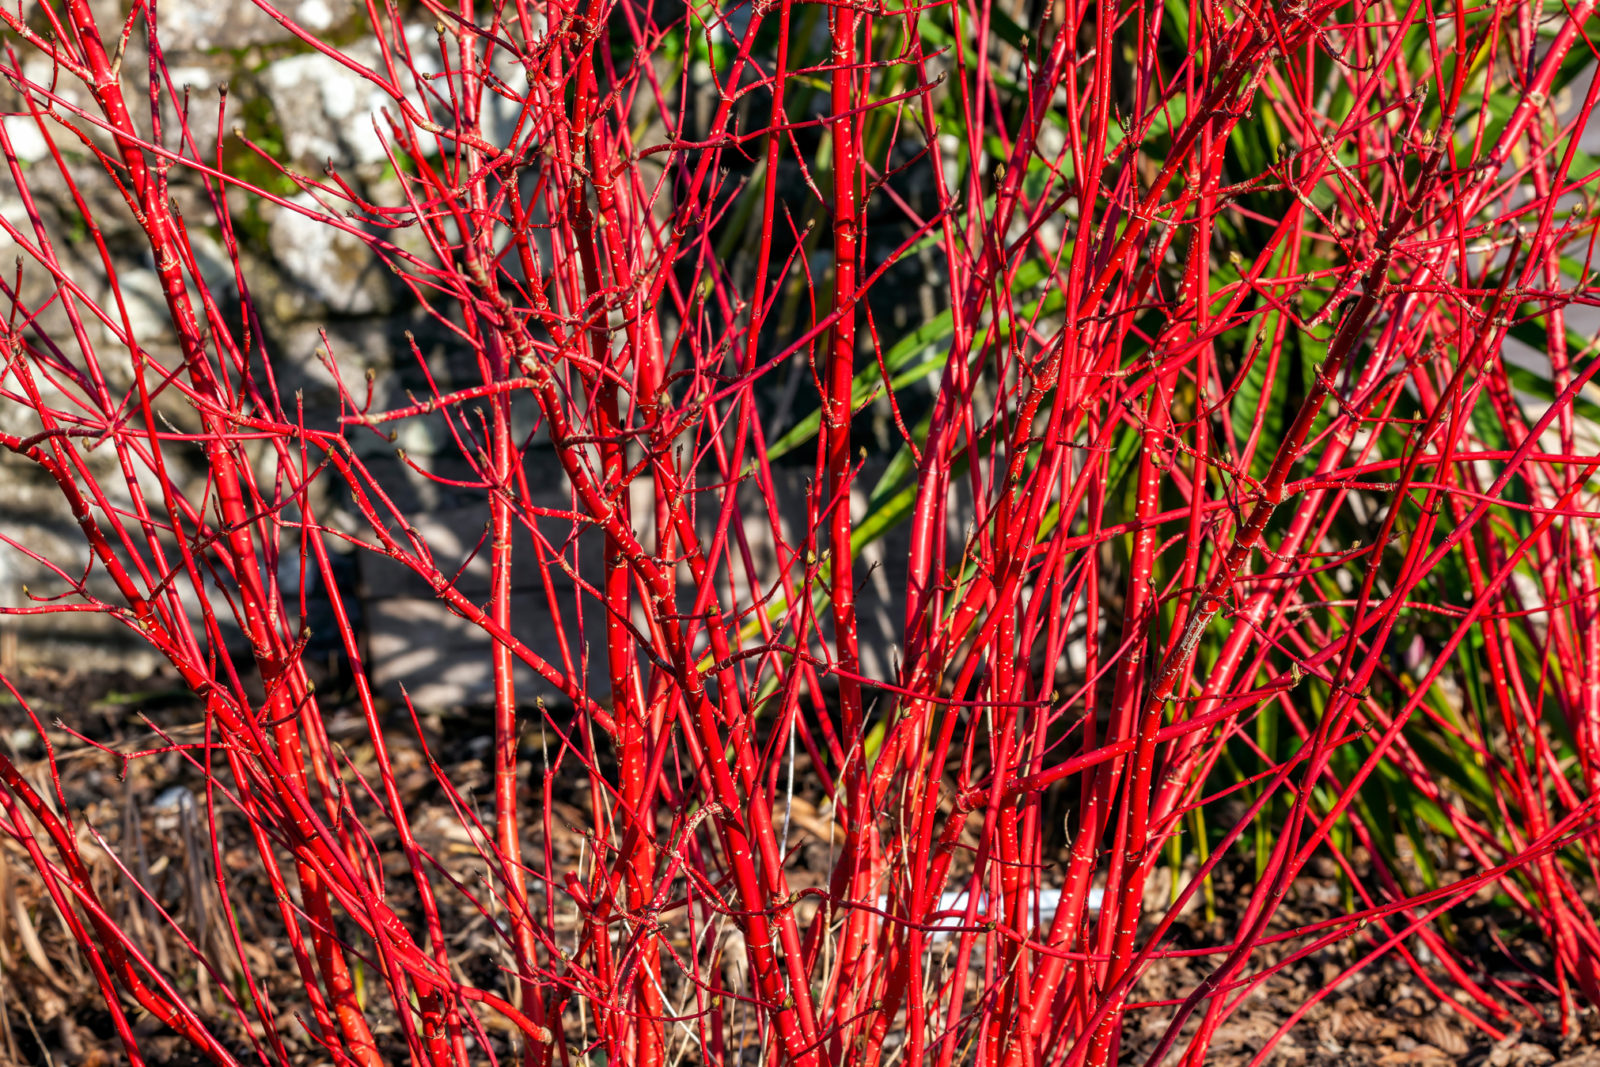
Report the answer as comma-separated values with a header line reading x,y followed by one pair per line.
x,y
1233,540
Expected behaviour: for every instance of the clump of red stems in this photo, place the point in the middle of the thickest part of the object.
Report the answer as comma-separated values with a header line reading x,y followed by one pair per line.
x,y
1216,406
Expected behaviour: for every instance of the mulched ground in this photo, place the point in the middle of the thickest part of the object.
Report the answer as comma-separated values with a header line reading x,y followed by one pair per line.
x,y
52,1015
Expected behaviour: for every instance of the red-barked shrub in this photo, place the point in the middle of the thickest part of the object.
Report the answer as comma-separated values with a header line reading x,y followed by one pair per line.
x,y
958,483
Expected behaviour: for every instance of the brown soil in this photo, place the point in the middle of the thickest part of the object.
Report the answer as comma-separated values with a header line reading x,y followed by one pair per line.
x,y
52,1013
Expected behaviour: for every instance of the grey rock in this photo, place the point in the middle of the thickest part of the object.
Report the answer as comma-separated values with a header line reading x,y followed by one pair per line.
x,y
334,266
330,111
200,27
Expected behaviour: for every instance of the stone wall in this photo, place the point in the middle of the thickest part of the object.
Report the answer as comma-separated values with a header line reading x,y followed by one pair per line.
x,y
317,290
